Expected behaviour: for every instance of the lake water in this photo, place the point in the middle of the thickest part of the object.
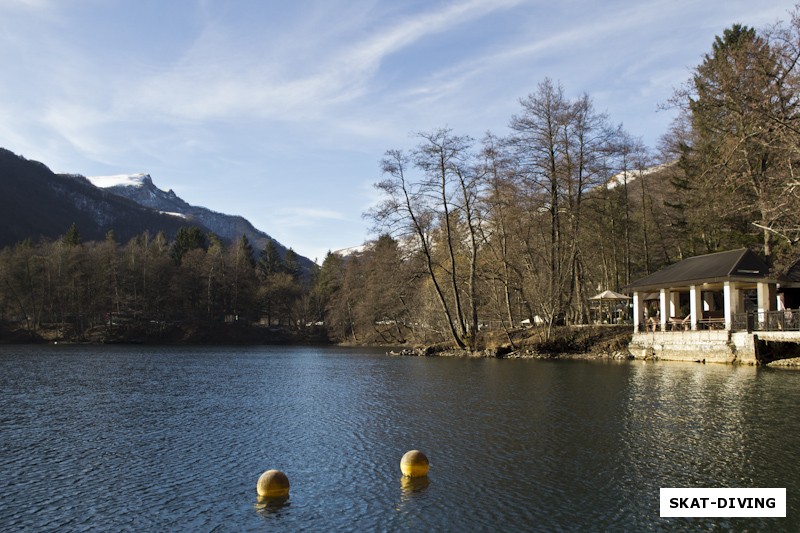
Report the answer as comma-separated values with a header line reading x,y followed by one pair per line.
x,y
174,439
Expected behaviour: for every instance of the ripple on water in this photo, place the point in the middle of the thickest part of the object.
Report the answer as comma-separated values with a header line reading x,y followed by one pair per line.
x,y
107,438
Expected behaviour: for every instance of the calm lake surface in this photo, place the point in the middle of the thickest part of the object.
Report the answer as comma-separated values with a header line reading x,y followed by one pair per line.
x,y
174,439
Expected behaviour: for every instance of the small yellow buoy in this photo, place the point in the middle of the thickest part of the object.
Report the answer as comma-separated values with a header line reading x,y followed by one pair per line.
x,y
414,464
273,484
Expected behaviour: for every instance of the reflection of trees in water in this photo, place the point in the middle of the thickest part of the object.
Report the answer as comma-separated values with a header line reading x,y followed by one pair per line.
x,y
694,425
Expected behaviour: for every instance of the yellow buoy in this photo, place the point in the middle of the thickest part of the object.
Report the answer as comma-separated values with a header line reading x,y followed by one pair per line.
x,y
414,464
273,484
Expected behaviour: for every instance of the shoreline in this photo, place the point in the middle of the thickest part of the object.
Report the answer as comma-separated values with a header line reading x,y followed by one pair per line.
x,y
566,342
593,355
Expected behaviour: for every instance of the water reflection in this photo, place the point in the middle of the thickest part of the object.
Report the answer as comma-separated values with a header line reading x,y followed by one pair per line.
x,y
267,506
690,425
411,485
569,445
412,501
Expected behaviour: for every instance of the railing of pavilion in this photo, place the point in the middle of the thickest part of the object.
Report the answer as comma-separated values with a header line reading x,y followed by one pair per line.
x,y
784,320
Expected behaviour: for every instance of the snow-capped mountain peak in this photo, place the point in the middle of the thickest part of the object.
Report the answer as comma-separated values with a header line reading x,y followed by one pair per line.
x,y
120,180
141,189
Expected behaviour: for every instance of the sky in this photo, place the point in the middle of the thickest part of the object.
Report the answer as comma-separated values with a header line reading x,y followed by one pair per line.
x,y
281,111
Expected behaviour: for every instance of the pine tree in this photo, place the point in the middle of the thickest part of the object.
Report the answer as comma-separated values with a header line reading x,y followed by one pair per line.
x,y
187,238
271,262
246,250
72,237
740,108
291,264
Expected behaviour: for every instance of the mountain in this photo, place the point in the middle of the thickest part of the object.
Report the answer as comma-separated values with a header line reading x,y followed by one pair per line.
x,y
140,188
37,203
631,175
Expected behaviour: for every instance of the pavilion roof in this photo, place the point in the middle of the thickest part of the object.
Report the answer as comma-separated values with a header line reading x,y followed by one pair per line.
x,y
793,272
741,264
610,295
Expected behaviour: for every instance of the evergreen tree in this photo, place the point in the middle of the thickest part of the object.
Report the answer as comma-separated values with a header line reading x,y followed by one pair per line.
x,y
187,239
291,264
271,262
72,237
741,108
243,282
246,251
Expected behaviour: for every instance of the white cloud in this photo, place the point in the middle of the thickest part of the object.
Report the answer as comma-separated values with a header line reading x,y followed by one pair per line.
x,y
25,4
217,78
77,125
307,216
367,55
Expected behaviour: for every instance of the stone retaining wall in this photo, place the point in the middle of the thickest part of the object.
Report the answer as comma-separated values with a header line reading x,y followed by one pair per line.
x,y
708,346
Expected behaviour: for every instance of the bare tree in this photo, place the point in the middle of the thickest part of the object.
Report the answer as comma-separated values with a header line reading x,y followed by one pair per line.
x,y
539,154
561,147
499,203
438,211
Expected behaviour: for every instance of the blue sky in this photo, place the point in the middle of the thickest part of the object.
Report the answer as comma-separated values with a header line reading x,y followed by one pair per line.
x,y
280,111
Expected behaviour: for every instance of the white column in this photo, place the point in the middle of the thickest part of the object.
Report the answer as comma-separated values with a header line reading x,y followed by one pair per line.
x,y
765,293
663,305
638,310
766,297
695,305
738,298
675,304
728,304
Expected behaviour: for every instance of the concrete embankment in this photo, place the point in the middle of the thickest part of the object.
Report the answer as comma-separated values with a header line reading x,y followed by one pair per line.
x,y
716,346
597,342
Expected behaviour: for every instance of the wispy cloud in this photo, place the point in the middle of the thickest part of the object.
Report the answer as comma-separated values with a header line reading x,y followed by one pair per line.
x,y
365,56
564,41
310,73
25,4
78,126
308,216
213,80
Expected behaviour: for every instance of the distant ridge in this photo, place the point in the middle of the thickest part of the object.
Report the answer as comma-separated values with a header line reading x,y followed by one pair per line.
x,y
140,188
37,203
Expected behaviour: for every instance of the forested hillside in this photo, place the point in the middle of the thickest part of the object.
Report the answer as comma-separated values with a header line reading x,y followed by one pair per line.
x,y
83,263
150,288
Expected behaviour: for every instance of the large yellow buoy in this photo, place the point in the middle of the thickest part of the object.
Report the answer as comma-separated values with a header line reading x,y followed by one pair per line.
x,y
273,484
414,464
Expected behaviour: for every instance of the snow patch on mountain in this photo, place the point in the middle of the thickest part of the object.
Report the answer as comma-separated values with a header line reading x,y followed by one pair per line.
x,y
626,177
351,251
173,214
119,180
